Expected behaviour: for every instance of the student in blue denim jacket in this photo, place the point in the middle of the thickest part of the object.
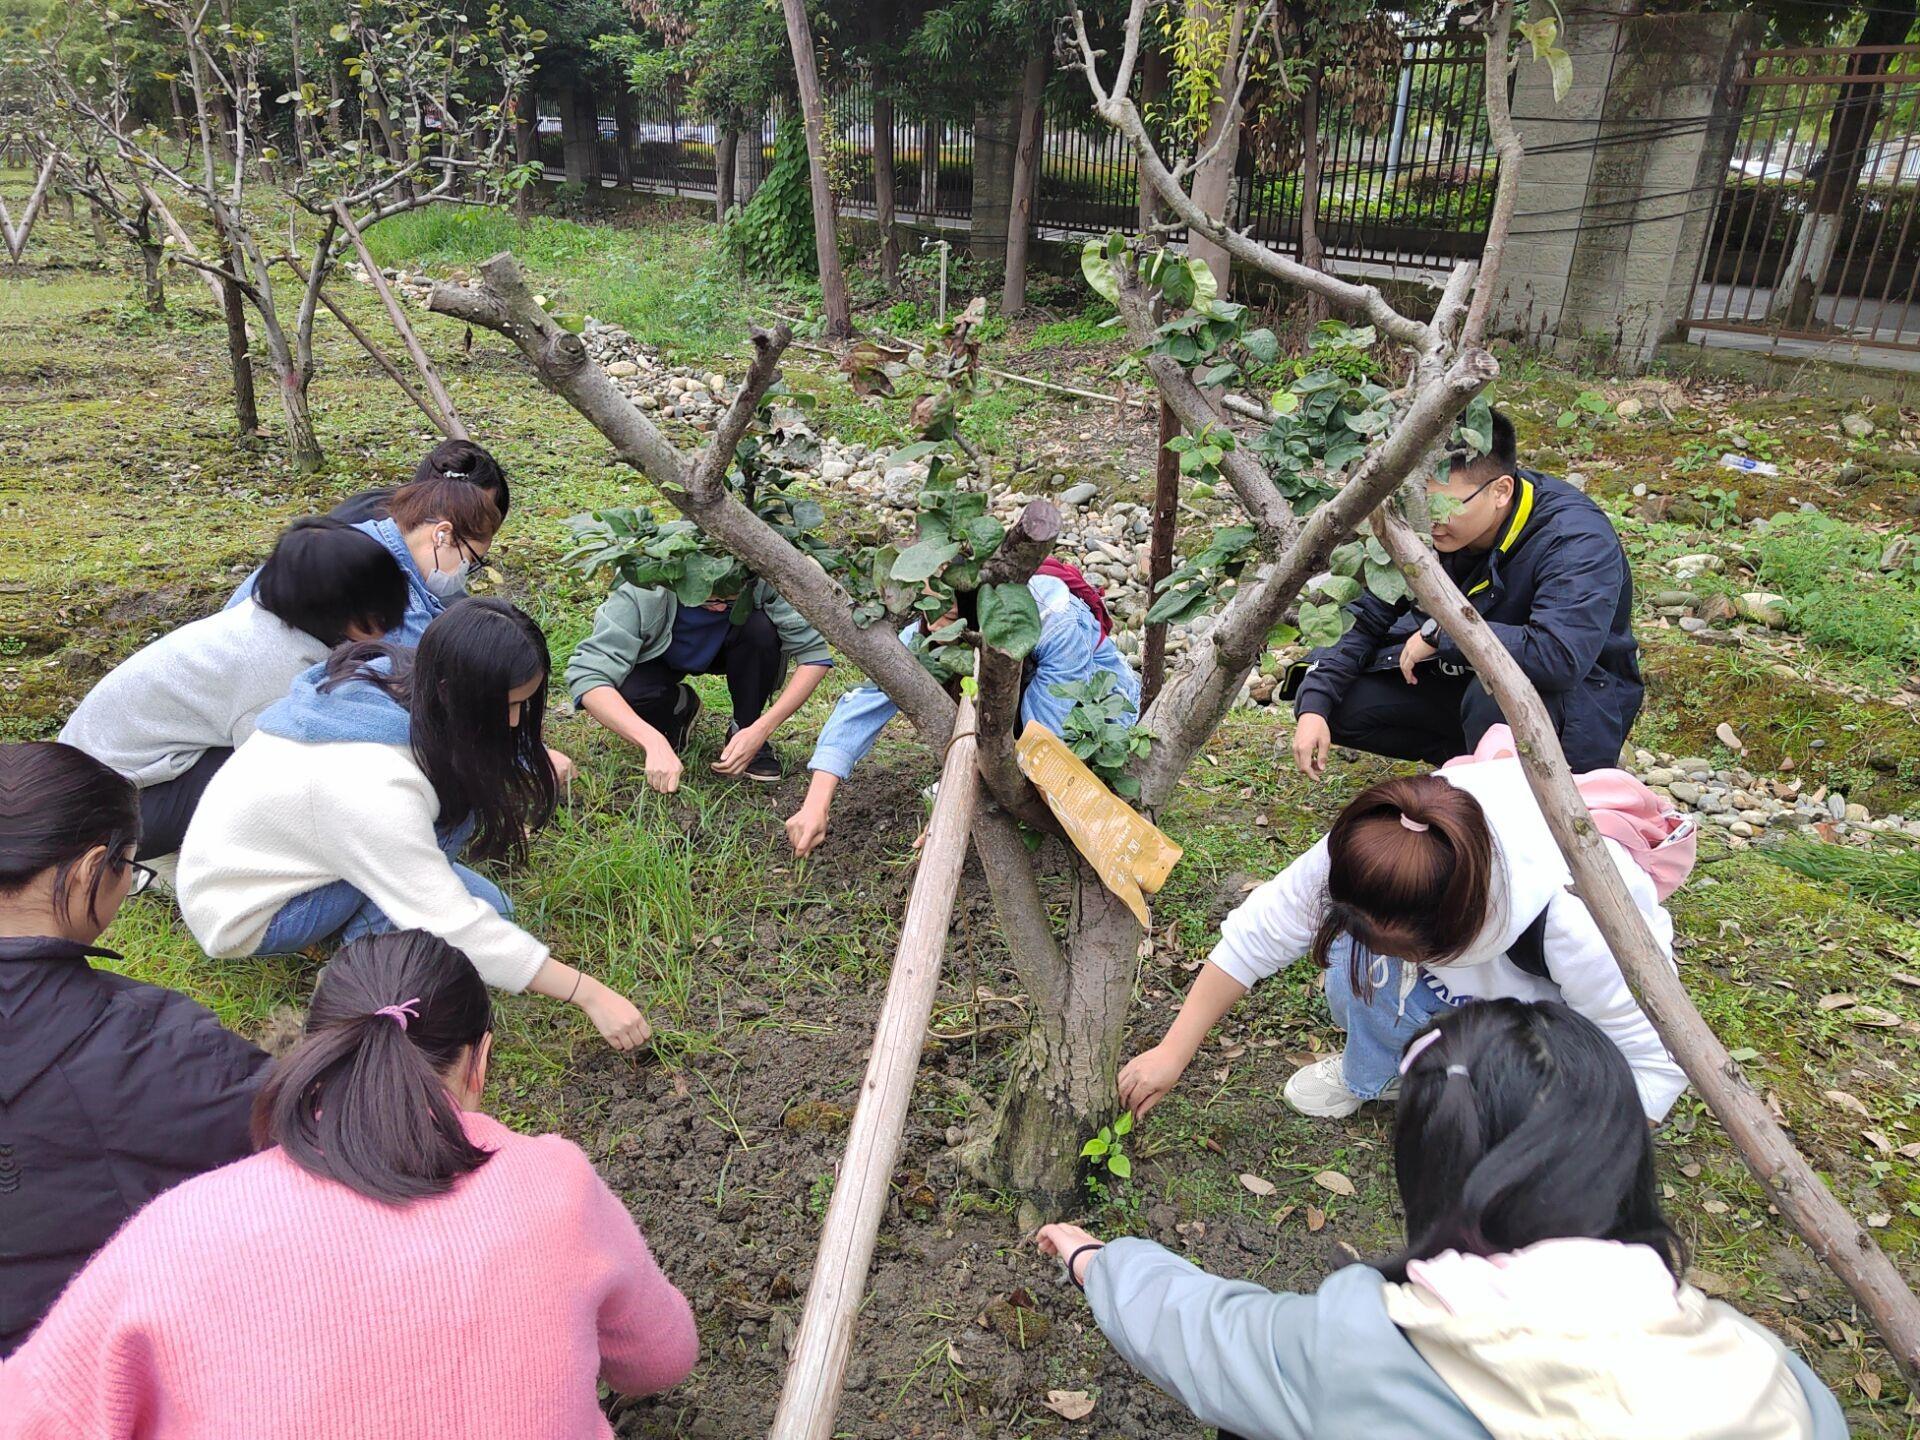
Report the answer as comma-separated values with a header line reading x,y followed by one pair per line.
x,y
1070,649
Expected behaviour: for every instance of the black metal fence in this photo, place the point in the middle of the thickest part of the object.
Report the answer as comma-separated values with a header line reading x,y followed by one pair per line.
x,y
1816,228
1413,189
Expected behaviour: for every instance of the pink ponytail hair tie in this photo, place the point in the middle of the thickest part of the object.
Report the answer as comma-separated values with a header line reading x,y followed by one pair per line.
x,y
1419,827
1418,1047
401,1011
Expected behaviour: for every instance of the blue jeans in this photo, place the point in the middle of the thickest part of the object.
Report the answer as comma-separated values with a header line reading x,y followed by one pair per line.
x,y
1379,1028
340,910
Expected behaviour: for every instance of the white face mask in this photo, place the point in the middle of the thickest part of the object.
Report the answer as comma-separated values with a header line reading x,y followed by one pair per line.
x,y
448,584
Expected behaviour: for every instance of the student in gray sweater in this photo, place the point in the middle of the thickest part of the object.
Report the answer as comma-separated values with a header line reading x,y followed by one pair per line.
x,y
630,673
1541,1291
170,715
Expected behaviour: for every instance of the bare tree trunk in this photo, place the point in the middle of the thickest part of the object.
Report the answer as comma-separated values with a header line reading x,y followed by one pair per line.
x,y
726,157
336,130
1155,75
883,186
153,282
580,136
1160,547
526,143
102,245
1061,1087
179,111
302,443
1026,168
623,138
833,282
1312,253
246,410
1213,180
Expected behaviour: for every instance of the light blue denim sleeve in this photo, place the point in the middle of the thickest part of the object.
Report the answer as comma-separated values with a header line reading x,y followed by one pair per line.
x,y
247,587
854,726
1070,649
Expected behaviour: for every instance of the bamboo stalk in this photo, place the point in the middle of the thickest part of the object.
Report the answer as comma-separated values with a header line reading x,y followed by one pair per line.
x,y
817,1369
1822,1221
431,376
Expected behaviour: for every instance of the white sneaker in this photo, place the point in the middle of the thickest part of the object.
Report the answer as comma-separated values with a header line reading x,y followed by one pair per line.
x,y
1321,1089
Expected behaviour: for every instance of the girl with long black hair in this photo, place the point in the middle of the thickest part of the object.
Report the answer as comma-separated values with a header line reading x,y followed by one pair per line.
x,y
393,1263
344,814
1541,1292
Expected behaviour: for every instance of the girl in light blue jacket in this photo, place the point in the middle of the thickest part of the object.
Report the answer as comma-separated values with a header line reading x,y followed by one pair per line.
x,y
1540,1294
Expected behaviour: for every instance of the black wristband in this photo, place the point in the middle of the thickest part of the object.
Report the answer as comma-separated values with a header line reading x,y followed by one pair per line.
x,y
1078,1252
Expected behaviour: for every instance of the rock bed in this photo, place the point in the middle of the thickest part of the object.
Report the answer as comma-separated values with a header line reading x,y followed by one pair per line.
x,y
1109,542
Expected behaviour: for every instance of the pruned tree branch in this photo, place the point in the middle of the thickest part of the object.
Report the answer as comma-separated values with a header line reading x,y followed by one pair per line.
x,y
1822,1221
1029,540
1508,150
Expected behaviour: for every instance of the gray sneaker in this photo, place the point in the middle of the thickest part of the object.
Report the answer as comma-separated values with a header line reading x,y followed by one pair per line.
x,y
1320,1089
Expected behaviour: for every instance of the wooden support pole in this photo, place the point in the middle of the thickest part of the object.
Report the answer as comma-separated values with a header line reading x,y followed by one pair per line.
x,y
431,376
817,1368
1791,1184
379,356
1160,543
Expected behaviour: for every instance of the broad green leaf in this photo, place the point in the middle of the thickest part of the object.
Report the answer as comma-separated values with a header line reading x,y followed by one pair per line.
x,y
1385,582
1322,625
922,561
1124,1125
1205,287
1284,402
1009,619
1098,270
699,572
808,515
907,454
1339,589
1120,1165
1262,344
984,534
1560,66
1094,1148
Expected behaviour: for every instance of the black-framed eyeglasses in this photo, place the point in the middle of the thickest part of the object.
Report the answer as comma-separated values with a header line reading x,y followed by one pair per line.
x,y
1478,488
143,876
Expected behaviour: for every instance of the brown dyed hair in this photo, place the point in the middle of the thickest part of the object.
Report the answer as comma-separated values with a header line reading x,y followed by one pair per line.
x,y
1417,895
470,510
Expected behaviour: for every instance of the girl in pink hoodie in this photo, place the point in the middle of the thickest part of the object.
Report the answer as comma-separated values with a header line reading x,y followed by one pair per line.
x,y
393,1263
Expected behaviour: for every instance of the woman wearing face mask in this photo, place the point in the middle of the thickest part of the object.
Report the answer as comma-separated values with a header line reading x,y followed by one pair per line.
x,y
343,814
439,530
393,1264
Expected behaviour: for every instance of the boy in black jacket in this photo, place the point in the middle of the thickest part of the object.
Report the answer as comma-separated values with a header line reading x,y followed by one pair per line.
x,y
1542,563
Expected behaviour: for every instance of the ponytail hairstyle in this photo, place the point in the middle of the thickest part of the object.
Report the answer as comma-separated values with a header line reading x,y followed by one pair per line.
x,y
455,688
1519,1123
362,1099
1410,876
464,460
57,805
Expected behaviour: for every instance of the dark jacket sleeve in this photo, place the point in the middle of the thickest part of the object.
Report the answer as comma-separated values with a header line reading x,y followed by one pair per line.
x,y
1336,667
199,1106
1576,592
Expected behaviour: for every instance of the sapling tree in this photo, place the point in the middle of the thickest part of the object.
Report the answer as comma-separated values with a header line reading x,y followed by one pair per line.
x,y
429,118
1328,453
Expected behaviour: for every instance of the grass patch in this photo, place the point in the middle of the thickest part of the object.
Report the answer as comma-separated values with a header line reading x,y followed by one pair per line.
x,y
1890,880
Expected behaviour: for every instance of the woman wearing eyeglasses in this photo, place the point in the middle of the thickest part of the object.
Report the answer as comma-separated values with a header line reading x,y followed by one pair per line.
x,y
110,1091
440,530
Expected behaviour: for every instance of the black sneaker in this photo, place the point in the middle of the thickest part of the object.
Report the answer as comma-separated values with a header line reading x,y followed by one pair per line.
x,y
686,710
765,768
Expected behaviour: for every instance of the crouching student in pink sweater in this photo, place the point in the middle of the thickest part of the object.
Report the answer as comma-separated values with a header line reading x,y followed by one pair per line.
x,y
393,1263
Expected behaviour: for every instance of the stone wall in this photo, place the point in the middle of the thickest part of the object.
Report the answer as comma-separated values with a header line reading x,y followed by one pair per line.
x,y
1619,181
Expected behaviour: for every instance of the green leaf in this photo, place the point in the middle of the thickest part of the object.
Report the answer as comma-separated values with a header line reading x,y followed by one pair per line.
x,y
1284,402
1560,66
1205,287
1385,582
699,572
1094,1148
1098,270
1339,589
808,515
1120,1165
1009,619
1124,1125
922,561
1322,625
1262,344
984,534
1220,374
571,321
907,454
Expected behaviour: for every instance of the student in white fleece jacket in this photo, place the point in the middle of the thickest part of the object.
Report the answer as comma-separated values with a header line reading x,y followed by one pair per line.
x,y
169,715
1541,1293
1430,892
342,816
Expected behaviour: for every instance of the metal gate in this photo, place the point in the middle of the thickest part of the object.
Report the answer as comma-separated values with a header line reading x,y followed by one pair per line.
x,y
1815,236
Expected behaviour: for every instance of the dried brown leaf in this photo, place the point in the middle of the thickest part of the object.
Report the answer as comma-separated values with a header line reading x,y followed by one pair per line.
x,y
1335,1182
1257,1185
1070,1404
1316,1218
1847,1101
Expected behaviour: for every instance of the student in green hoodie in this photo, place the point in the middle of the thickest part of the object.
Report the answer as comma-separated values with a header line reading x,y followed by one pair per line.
x,y
630,673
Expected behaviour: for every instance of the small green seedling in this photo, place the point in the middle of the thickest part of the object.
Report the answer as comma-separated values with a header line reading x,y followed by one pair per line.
x,y
1106,1148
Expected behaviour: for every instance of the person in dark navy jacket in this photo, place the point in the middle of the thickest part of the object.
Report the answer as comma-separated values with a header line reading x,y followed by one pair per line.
x,y
111,1091
1542,563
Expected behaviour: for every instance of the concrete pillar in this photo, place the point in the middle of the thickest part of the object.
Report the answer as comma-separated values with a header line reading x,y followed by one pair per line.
x,y
1619,180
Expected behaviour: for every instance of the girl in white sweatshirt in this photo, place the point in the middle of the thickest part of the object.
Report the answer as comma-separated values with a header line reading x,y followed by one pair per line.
x,y
344,813
1430,892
